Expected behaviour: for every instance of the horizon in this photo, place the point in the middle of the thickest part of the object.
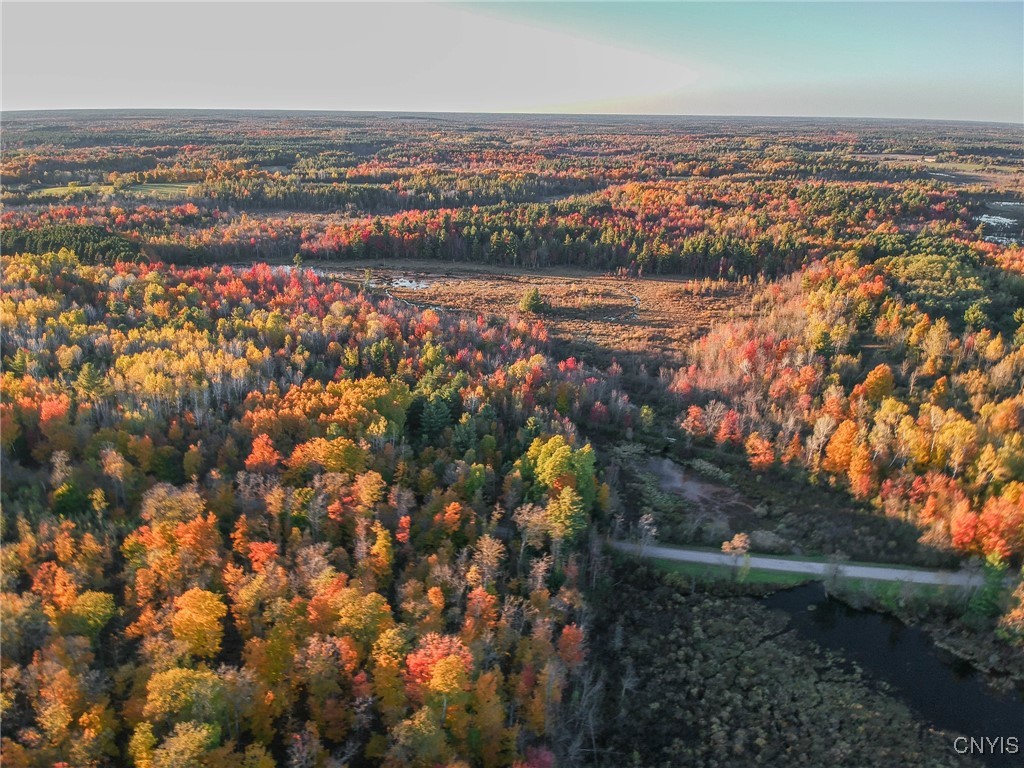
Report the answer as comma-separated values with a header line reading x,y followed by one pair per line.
x,y
781,59
621,116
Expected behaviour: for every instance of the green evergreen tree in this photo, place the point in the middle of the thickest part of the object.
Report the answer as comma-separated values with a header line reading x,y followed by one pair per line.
x,y
90,382
532,301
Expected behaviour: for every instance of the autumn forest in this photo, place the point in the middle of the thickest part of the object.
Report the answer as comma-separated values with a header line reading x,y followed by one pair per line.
x,y
320,435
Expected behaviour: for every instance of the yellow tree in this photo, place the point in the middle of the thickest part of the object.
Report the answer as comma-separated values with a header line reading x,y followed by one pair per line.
x,y
566,515
879,383
496,743
448,680
197,622
387,675
381,554
957,441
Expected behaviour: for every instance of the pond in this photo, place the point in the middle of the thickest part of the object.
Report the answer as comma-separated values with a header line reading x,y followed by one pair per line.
x,y
412,284
946,692
1004,221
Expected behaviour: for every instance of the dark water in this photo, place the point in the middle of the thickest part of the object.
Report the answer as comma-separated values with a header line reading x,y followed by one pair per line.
x,y
946,692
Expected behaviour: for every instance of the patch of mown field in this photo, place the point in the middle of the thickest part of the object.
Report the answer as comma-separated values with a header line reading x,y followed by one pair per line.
x,y
162,191
709,572
896,595
71,190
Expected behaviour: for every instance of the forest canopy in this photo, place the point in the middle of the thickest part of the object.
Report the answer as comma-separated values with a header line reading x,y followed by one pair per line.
x,y
262,506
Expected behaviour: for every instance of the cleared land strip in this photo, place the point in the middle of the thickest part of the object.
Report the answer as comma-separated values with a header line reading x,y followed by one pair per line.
x,y
810,567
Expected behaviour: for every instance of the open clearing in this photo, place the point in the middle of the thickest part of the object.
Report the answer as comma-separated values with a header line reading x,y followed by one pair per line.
x,y
169,191
996,176
72,190
599,316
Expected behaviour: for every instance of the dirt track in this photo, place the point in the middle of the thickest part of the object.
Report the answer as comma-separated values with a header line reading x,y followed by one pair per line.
x,y
810,567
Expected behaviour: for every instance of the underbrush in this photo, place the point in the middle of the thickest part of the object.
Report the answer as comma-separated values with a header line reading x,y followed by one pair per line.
x,y
712,680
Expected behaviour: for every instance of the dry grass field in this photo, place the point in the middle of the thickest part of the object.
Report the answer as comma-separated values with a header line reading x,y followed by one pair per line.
x,y
596,316
1004,178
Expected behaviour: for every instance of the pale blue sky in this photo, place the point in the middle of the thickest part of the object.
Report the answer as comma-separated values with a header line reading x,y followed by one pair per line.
x,y
929,59
955,60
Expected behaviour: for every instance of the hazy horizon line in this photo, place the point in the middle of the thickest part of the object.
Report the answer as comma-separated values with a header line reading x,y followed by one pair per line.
x,y
520,113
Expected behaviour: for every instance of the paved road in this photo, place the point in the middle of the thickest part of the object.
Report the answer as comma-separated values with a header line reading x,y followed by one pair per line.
x,y
810,567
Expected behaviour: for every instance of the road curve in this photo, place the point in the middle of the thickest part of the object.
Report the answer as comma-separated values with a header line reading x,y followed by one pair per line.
x,y
810,567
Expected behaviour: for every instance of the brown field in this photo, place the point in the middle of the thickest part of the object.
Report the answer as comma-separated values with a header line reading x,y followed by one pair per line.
x,y
997,177
594,316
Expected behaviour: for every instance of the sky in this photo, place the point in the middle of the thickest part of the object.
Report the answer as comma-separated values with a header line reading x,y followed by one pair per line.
x,y
936,60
